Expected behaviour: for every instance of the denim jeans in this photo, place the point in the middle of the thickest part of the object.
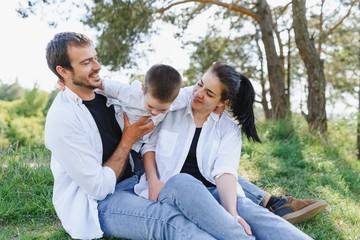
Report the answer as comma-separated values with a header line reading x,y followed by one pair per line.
x,y
182,212
252,192
187,210
264,224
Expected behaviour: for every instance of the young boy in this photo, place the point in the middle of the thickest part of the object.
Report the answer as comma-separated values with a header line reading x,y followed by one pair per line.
x,y
159,94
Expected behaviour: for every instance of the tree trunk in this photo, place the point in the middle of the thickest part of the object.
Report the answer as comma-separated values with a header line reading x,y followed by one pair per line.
x,y
264,101
358,125
316,116
288,73
276,76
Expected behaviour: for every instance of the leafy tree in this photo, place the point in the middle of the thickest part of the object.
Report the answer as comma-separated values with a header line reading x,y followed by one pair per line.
x,y
3,129
121,25
10,92
32,103
22,120
119,20
343,48
26,130
237,50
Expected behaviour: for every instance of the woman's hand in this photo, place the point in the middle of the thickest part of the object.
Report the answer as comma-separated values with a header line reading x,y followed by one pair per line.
x,y
245,225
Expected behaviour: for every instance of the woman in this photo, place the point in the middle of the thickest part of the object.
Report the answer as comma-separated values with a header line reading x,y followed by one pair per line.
x,y
200,142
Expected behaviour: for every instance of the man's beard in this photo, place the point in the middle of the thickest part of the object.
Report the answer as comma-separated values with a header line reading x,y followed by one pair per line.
x,y
85,83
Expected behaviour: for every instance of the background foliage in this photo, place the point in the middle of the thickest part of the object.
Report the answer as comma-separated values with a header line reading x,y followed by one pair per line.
x,y
257,39
22,118
291,160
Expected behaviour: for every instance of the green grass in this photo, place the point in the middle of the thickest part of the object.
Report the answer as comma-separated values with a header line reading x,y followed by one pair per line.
x,y
291,160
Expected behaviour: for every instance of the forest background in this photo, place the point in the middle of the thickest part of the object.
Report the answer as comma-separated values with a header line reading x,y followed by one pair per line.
x,y
303,58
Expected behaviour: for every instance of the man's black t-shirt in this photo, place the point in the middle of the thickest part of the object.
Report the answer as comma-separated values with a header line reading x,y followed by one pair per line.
x,y
109,128
191,166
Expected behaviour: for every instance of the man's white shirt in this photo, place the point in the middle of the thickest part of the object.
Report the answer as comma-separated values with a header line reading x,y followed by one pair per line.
x,y
80,180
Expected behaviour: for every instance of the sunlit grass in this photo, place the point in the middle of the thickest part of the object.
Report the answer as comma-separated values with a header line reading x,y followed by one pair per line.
x,y
291,160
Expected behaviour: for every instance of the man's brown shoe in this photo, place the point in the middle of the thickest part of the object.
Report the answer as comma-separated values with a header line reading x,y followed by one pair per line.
x,y
298,210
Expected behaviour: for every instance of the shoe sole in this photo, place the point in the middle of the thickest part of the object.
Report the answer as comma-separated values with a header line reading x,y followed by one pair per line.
x,y
306,213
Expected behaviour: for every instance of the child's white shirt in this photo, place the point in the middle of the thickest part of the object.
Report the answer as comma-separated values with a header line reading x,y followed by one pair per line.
x,y
131,98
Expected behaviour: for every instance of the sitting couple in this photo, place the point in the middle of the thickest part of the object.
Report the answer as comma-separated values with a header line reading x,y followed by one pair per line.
x,y
190,188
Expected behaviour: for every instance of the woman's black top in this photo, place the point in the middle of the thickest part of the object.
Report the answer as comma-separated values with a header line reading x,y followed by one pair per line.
x,y
191,166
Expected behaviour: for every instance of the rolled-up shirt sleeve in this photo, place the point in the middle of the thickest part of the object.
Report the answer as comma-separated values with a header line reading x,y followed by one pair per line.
x,y
229,157
71,148
150,146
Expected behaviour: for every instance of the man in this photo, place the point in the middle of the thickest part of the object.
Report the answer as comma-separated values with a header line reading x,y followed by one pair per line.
x,y
93,179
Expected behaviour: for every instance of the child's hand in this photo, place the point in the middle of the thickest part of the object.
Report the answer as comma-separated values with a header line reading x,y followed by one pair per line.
x,y
61,85
219,110
101,86
155,188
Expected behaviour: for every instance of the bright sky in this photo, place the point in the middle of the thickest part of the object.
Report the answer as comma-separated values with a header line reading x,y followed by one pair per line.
x,y
22,48
23,43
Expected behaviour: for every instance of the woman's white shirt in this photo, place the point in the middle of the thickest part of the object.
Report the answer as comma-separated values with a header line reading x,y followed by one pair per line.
x,y
218,149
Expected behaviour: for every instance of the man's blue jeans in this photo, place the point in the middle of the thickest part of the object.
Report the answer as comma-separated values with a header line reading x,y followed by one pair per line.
x,y
186,210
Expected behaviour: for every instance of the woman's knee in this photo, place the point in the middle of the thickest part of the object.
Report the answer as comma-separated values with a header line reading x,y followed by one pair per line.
x,y
182,183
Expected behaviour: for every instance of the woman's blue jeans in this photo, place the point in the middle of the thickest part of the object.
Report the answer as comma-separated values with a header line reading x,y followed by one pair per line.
x,y
186,210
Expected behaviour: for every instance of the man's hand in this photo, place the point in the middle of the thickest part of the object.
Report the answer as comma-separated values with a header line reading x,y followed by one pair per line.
x,y
132,132
155,188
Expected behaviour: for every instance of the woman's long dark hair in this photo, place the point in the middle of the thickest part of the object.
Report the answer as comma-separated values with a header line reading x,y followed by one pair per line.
x,y
241,95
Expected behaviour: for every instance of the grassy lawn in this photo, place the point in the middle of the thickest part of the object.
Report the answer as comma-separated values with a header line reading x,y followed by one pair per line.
x,y
289,161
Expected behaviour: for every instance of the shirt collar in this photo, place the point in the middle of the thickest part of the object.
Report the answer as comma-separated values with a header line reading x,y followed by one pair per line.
x,y
72,96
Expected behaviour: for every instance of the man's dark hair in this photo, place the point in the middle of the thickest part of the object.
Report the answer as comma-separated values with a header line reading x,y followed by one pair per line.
x,y
163,82
57,49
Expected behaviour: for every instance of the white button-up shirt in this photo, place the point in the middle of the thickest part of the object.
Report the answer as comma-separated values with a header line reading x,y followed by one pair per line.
x,y
80,180
131,98
218,149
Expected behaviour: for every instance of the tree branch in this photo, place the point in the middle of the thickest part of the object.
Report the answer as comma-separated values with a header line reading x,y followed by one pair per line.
x,y
214,2
331,30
